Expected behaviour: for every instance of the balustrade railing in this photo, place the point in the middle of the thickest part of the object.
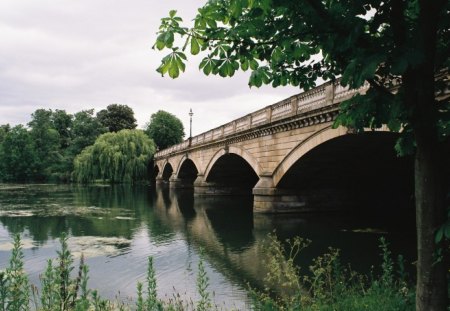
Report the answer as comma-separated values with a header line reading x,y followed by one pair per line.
x,y
321,96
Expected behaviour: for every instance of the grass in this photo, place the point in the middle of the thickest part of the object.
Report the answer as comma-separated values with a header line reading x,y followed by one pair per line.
x,y
327,286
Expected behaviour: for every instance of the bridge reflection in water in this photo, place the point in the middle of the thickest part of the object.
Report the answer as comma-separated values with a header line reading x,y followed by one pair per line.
x,y
232,236
172,225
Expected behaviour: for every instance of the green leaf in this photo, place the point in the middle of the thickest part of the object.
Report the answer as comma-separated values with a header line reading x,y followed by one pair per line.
x,y
163,68
211,23
207,69
439,235
180,64
195,47
168,38
254,64
223,70
174,71
160,41
172,13
447,230
236,8
369,69
203,62
244,65
348,73
159,45
255,79
277,55
181,55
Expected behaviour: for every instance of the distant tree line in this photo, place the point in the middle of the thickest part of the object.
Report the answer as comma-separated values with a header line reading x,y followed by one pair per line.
x,y
56,146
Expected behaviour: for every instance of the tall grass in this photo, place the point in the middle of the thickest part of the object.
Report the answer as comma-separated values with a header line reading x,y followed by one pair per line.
x,y
327,285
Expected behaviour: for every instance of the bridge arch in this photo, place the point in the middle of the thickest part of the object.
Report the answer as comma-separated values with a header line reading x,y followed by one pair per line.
x,y
154,172
167,171
183,162
233,150
158,166
186,171
307,145
337,170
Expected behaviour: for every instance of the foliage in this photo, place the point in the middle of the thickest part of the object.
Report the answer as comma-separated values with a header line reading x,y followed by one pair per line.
x,y
328,287
14,292
46,151
165,129
152,301
118,157
117,117
18,158
398,47
85,130
59,290
302,42
62,123
4,129
204,303
282,271
46,142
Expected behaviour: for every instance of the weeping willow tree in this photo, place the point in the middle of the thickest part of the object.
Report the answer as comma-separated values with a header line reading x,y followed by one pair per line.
x,y
117,157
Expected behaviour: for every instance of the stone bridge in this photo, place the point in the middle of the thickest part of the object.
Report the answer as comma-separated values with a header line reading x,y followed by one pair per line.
x,y
290,158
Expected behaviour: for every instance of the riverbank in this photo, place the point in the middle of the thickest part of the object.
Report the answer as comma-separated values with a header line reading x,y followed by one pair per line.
x,y
329,285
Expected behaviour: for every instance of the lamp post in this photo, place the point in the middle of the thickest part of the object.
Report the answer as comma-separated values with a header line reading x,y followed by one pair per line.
x,y
190,126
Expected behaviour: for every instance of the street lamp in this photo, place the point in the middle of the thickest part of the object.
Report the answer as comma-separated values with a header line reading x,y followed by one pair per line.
x,y
190,125
190,122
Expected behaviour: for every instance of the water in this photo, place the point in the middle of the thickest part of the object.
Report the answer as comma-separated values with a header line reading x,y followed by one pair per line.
x,y
118,227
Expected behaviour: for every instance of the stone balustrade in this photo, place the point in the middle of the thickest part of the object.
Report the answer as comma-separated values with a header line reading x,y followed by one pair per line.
x,y
324,95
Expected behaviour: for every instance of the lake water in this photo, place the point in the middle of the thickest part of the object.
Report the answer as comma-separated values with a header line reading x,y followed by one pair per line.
x,y
118,227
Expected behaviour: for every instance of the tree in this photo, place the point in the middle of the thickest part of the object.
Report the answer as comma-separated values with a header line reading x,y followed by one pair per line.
x,y
118,157
62,122
46,142
4,129
165,129
17,157
382,42
85,130
117,117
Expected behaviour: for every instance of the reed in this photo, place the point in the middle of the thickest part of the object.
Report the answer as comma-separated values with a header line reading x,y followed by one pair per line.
x,y
328,285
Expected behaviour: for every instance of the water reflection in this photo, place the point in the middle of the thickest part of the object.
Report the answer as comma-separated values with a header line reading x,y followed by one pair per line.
x,y
172,226
80,211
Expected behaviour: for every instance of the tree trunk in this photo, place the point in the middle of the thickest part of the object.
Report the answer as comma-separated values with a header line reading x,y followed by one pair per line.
x,y
431,292
431,289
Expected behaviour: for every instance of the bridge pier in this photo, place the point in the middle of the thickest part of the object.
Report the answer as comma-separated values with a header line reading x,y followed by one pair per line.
x,y
202,187
178,183
269,199
159,181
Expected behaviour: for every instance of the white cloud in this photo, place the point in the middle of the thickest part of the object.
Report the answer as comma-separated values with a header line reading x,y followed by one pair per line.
x,y
74,55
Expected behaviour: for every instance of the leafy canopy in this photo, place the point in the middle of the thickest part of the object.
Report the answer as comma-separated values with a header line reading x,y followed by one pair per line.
x,y
46,142
18,158
118,157
302,42
165,129
398,46
117,117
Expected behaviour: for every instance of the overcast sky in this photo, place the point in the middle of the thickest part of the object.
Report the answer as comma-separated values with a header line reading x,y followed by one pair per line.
x,y
82,54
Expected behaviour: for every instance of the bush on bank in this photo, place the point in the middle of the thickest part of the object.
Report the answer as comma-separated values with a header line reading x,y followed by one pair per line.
x,y
328,285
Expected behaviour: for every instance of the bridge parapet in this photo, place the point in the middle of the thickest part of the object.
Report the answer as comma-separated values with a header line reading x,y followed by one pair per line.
x,y
324,95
